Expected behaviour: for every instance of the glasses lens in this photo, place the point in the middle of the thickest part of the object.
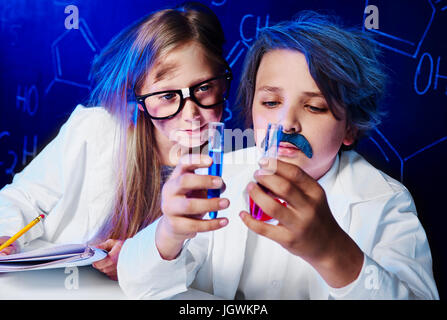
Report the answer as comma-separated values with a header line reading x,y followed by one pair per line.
x,y
162,104
212,92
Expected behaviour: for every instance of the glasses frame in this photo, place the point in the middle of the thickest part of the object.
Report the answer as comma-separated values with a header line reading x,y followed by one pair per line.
x,y
184,94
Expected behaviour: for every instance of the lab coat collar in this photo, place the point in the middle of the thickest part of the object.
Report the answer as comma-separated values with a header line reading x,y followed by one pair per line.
x,y
328,179
350,172
355,171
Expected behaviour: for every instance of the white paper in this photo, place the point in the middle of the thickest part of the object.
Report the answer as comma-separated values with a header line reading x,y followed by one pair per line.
x,y
55,256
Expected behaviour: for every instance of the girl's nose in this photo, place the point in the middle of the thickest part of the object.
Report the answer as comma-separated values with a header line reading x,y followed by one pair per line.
x,y
190,111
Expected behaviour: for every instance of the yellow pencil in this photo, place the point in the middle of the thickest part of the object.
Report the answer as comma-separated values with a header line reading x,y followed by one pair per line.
x,y
21,232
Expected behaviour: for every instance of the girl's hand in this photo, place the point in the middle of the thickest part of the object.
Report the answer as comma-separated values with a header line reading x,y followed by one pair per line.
x,y
11,249
108,264
184,203
306,226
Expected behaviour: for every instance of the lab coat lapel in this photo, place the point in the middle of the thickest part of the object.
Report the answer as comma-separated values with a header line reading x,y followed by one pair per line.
x,y
356,181
339,205
360,180
337,201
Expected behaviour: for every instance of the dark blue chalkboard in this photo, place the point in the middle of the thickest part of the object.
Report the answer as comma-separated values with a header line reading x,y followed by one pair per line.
x,y
44,74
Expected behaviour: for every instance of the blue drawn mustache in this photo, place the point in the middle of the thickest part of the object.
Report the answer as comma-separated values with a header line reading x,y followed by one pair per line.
x,y
299,141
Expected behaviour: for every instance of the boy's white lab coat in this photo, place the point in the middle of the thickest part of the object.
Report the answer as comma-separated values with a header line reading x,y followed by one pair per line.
x,y
375,210
72,181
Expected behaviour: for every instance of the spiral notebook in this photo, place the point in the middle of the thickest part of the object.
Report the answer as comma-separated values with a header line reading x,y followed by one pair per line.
x,y
54,256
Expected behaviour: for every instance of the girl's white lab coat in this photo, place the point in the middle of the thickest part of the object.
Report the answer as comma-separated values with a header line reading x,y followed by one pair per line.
x,y
71,180
375,210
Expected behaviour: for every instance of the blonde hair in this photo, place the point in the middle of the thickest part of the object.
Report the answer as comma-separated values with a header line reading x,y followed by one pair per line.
x,y
122,68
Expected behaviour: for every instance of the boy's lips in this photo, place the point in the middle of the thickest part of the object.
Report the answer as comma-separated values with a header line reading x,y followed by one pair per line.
x,y
283,144
287,149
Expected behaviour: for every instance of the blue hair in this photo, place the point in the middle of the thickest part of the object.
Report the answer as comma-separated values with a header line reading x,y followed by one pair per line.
x,y
343,63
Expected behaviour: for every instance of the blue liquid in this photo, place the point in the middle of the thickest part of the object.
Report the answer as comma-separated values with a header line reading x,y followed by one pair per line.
x,y
215,170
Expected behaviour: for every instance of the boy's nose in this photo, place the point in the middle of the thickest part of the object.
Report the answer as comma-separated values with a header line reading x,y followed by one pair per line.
x,y
290,120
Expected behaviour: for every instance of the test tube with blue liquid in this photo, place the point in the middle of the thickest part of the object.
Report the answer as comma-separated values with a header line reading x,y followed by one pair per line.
x,y
215,151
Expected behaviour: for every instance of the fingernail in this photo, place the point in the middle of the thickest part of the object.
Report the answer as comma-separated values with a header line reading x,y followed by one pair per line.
x,y
263,161
217,182
260,172
250,186
263,172
223,222
223,203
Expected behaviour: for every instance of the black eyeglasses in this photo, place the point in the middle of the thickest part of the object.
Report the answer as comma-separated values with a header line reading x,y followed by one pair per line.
x,y
206,94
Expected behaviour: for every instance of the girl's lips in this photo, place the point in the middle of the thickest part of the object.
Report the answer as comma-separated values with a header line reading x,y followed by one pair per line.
x,y
195,131
192,132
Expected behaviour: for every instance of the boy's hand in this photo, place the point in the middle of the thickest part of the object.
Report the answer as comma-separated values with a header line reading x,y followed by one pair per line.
x,y
306,226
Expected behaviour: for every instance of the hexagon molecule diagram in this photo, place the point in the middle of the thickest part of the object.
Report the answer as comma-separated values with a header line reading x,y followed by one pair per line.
x,y
72,54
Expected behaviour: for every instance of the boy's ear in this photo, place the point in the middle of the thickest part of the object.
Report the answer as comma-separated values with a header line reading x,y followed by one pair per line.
x,y
350,136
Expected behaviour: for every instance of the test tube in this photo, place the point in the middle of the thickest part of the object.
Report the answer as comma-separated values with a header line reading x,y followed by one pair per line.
x,y
215,151
272,140
271,144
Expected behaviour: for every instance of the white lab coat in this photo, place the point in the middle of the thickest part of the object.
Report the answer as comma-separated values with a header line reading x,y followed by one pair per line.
x,y
72,181
375,210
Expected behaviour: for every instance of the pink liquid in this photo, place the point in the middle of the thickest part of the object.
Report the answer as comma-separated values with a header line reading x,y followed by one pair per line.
x,y
257,213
